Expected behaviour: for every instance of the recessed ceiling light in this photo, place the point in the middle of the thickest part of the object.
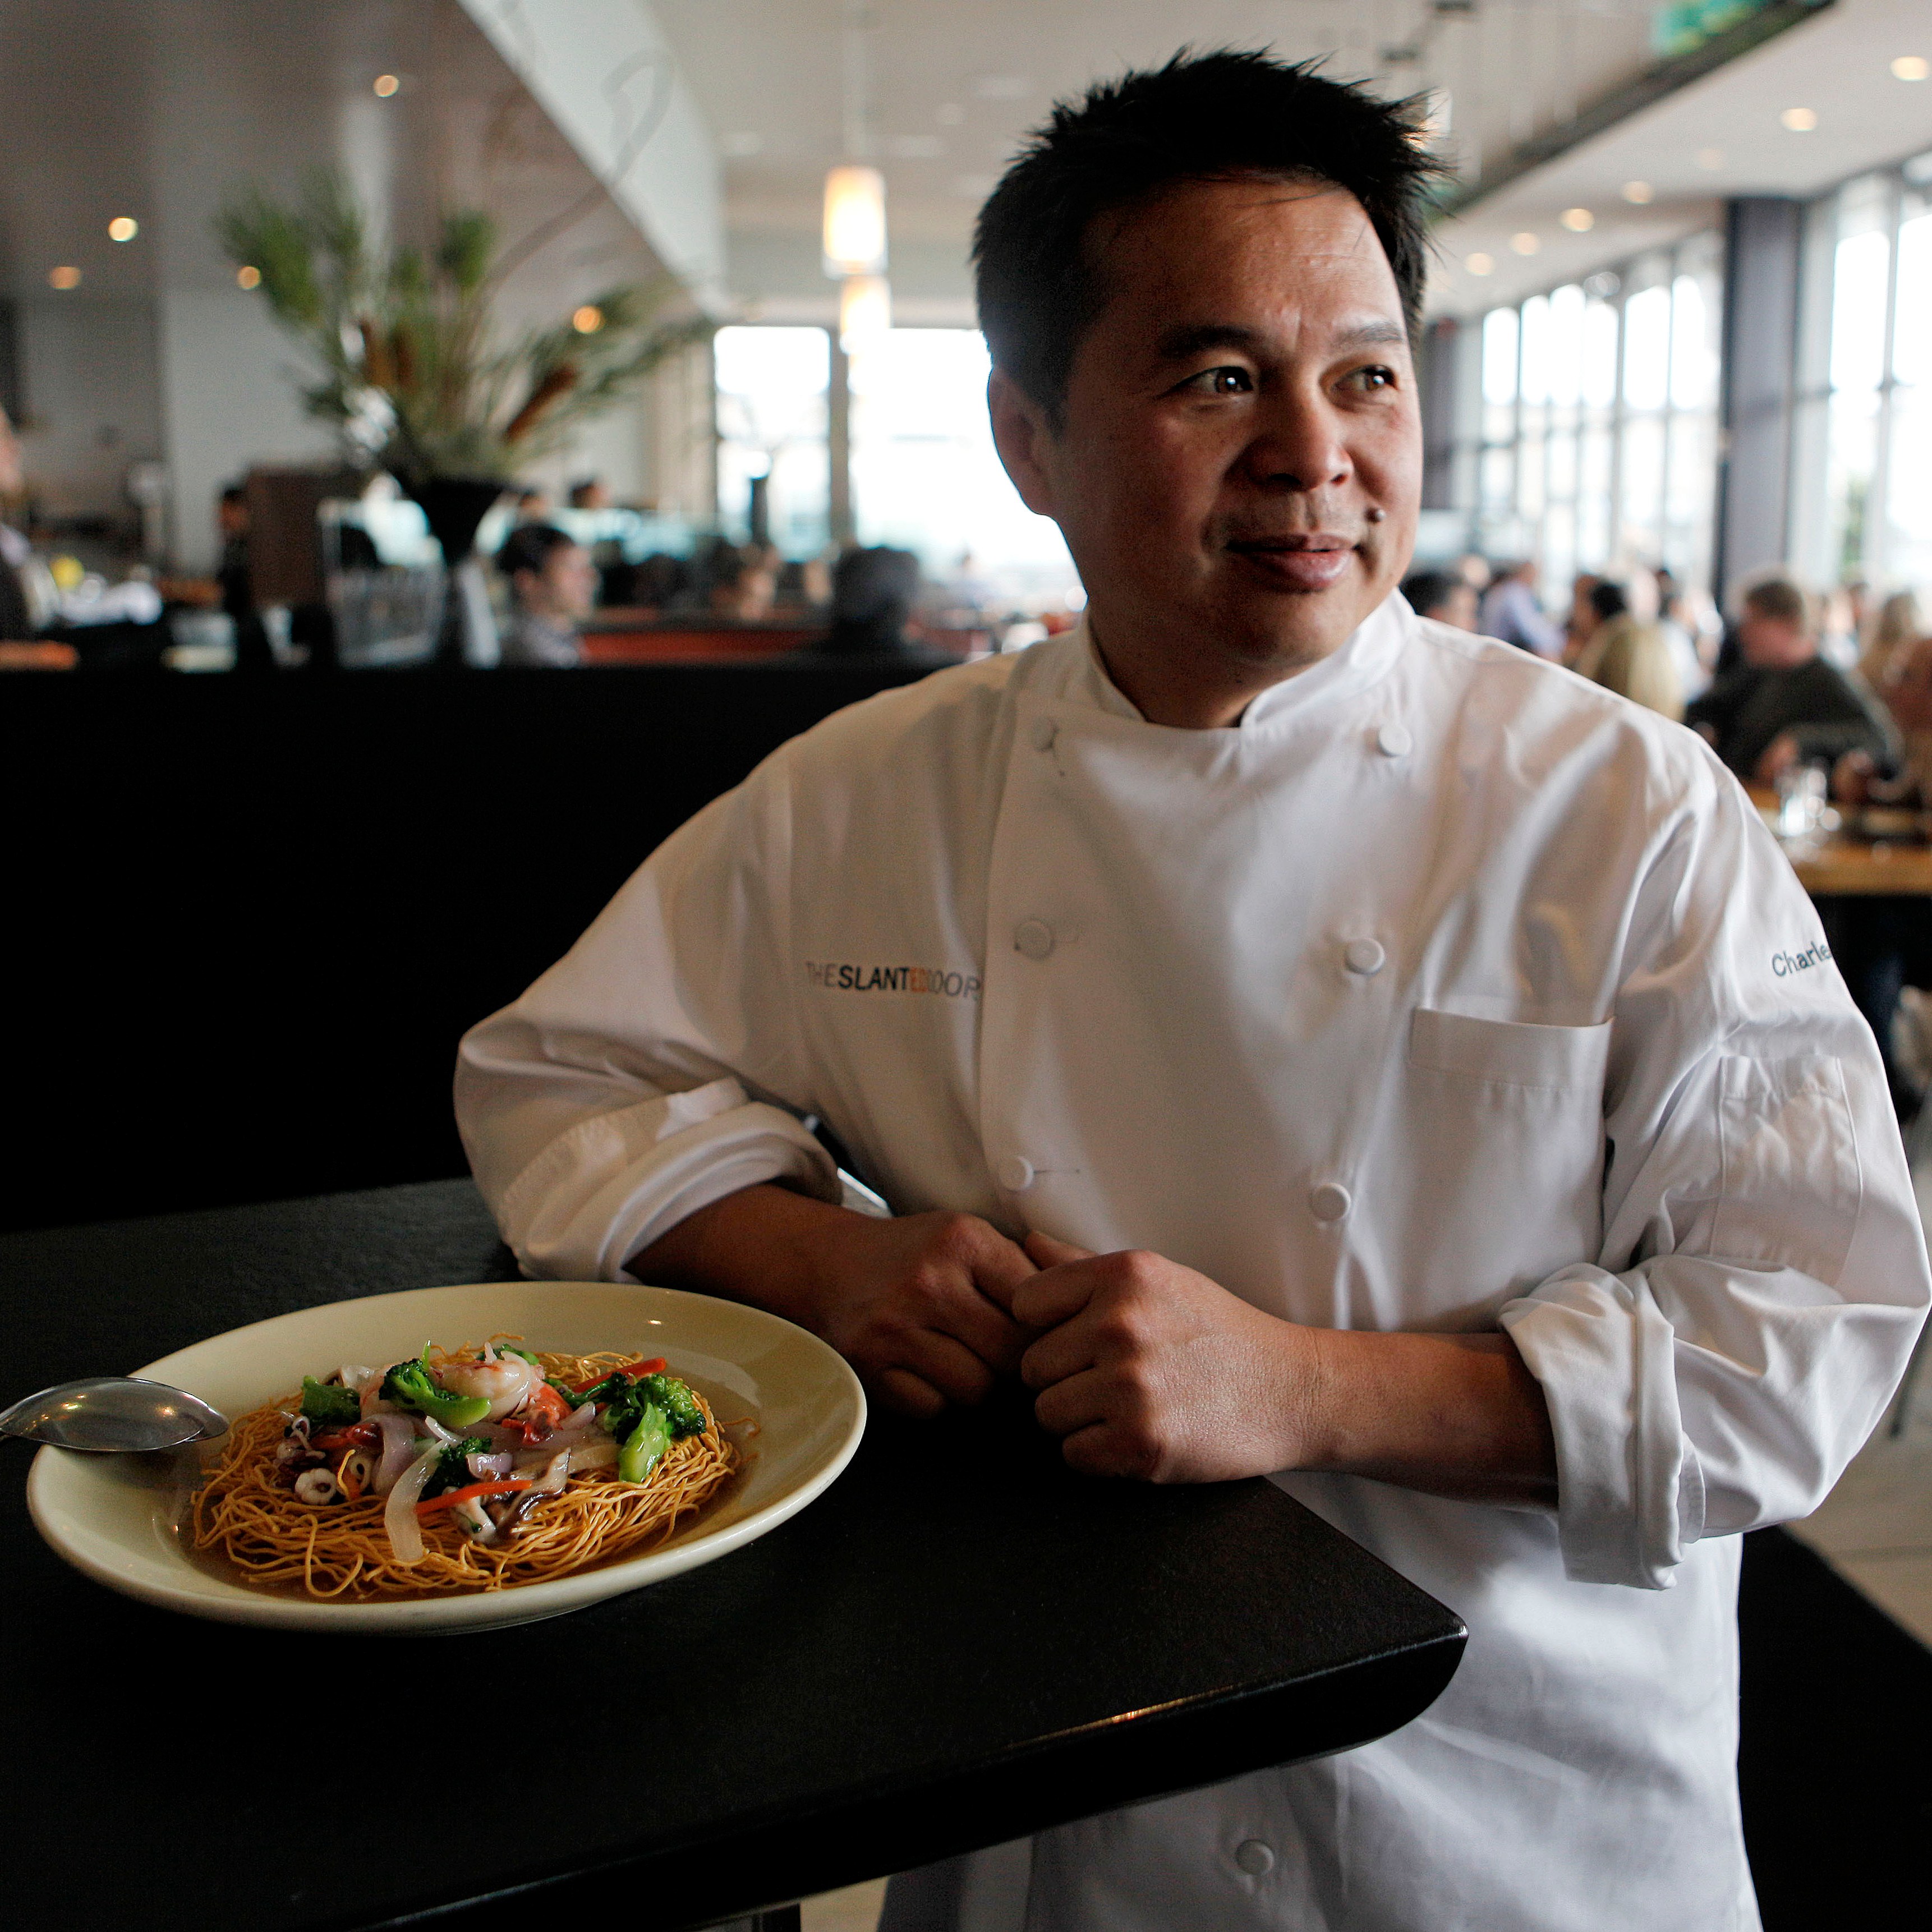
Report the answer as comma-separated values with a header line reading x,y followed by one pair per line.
x,y
123,228
1479,264
1636,192
1525,243
1911,67
386,84
247,277
64,278
588,319
1799,120
1710,159
1578,220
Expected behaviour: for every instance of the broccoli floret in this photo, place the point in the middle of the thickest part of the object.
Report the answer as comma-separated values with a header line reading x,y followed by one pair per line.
x,y
452,1466
643,1449
411,1386
329,1403
680,1405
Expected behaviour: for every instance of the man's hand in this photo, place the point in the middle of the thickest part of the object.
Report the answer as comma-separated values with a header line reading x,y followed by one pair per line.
x,y
918,1305
1777,757
1150,1369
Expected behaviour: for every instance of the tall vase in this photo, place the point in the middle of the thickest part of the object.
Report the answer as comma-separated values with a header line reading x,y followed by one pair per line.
x,y
454,507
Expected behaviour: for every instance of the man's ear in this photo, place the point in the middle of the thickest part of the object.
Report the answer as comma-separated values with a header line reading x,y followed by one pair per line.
x,y
1022,436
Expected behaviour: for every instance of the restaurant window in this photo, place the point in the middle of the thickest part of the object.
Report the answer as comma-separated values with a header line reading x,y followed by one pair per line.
x,y
1861,504
926,478
1600,420
772,421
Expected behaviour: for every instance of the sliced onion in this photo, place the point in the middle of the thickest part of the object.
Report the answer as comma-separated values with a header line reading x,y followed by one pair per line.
x,y
431,1426
486,1468
600,1452
399,1517
400,1448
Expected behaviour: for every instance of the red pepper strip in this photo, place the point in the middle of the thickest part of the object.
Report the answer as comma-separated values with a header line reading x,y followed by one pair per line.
x,y
450,1497
356,1436
656,1366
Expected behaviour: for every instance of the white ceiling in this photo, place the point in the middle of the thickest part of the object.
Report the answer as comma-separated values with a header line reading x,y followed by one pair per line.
x,y
165,109
955,87
1719,137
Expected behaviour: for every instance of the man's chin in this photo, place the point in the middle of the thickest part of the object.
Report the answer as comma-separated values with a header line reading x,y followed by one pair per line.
x,y
1290,627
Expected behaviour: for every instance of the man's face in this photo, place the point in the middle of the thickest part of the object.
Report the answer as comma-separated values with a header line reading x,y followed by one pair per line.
x,y
1239,467
1775,643
13,478
569,581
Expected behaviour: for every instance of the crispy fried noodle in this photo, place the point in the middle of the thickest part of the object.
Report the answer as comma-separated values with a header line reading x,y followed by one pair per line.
x,y
331,1532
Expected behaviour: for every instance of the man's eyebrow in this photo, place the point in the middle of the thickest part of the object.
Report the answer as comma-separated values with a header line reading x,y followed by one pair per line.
x,y
1186,340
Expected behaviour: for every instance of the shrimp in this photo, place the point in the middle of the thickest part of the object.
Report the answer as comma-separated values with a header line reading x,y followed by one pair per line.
x,y
505,1381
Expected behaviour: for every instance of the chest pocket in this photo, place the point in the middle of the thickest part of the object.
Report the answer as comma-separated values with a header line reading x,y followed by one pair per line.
x,y
1505,1133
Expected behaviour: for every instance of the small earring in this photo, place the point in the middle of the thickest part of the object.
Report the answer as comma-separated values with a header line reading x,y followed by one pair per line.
x,y
1376,513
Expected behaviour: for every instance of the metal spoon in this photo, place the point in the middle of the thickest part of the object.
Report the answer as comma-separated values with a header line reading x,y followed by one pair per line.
x,y
113,1415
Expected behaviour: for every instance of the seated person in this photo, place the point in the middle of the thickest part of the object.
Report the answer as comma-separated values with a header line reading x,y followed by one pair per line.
x,y
1883,940
552,581
1628,656
16,617
873,594
1442,595
1783,705
1511,613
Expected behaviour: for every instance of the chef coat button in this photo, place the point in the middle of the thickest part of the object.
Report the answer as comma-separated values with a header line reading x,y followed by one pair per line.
x,y
1043,732
1016,1174
1393,741
1364,956
1254,1858
1034,938
1329,1202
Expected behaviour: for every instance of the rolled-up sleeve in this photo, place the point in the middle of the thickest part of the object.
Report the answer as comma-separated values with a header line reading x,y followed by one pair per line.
x,y
1763,1270
656,1067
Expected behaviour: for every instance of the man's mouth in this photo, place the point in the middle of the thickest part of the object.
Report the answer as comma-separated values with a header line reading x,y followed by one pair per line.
x,y
1313,560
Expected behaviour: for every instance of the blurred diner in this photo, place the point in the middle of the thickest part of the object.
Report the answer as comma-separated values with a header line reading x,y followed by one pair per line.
x,y
552,584
1783,706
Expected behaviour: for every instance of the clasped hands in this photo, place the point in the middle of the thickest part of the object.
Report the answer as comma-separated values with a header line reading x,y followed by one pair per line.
x,y
1143,1367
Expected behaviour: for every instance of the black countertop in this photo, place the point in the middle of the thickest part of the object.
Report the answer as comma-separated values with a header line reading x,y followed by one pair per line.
x,y
960,1643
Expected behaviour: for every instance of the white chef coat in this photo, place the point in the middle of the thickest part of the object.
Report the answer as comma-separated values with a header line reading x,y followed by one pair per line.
x,y
1444,991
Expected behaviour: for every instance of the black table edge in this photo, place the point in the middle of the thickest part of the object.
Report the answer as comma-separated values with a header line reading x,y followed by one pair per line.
x,y
1184,1746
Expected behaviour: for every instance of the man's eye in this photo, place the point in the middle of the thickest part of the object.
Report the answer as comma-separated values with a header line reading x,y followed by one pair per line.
x,y
1231,381
1372,379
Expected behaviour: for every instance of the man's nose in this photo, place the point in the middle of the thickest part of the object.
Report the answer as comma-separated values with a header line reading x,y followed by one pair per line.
x,y
1298,444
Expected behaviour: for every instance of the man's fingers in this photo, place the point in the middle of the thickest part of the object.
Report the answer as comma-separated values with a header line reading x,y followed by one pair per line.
x,y
1055,1294
1060,1352
955,1370
907,1392
997,1266
1077,1403
1050,1251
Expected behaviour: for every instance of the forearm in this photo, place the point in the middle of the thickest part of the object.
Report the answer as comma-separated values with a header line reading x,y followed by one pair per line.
x,y
764,1245
1453,1415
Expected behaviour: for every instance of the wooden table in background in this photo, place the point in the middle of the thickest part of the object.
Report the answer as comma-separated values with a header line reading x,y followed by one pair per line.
x,y
1844,867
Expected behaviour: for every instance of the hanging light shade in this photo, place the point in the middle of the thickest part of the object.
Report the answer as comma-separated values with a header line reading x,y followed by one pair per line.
x,y
855,221
865,311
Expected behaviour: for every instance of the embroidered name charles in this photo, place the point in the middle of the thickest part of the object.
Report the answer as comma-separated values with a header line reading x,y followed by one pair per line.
x,y
842,976
1784,965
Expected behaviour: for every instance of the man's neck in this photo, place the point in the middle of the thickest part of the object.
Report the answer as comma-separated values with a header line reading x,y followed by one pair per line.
x,y
1206,690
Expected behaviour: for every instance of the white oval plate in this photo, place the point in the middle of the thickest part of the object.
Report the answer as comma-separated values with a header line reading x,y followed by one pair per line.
x,y
112,1516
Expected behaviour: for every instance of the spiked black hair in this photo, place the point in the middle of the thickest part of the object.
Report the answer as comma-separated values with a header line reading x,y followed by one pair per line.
x,y
1202,117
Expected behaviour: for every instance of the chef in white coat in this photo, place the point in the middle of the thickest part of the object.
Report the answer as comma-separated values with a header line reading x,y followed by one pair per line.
x,y
1298,1039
